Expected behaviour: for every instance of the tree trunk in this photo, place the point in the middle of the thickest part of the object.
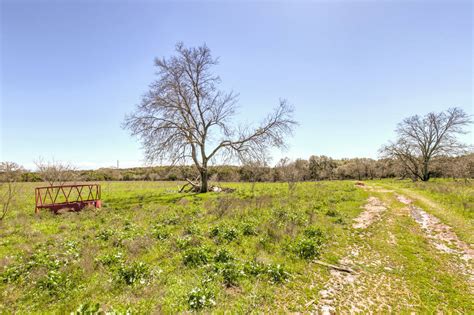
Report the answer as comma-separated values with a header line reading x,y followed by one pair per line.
x,y
204,186
426,173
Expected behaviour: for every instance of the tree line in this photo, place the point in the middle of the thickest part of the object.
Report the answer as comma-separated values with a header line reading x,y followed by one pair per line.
x,y
313,169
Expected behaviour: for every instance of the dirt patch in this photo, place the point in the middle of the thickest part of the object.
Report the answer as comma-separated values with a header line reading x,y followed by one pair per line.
x,y
443,239
404,200
373,211
374,189
358,291
363,291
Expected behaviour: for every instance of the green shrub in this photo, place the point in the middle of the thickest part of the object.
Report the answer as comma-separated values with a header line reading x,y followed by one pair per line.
x,y
105,235
248,229
230,274
136,273
55,283
313,232
224,232
255,268
184,242
223,256
110,259
88,309
332,213
192,229
196,256
199,298
307,248
160,232
277,274
13,273
230,234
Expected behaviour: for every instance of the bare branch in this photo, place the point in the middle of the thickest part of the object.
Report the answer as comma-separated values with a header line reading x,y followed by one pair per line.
x,y
420,139
186,118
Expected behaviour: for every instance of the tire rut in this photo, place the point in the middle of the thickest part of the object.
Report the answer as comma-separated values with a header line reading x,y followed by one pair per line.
x,y
361,291
444,239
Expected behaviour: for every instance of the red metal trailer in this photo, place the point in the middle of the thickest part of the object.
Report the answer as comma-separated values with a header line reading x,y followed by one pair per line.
x,y
74,197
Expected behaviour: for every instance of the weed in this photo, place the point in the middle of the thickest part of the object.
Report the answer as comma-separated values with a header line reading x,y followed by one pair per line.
x,y
332,213
277,274
254,268
223,256
55,283
313,232
224,232
160,232
307,248
200,297
110,259
105,235
248,229
231,273
136,273
197,256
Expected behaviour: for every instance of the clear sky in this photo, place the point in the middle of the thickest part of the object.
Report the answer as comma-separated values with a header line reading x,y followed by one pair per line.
x,y
71,70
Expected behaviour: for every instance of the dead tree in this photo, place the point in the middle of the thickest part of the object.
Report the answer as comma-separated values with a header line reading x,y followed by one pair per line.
x,y
420,139
186,118
10,174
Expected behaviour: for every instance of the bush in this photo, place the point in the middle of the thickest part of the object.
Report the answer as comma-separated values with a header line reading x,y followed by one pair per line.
x,y
230,234
104,235
277,274
136,273
160,232
313,232
223,256
224,232
199,298
55,283
230,274
13,273
197,256
110,259
248,229
309,246
255,268
87,309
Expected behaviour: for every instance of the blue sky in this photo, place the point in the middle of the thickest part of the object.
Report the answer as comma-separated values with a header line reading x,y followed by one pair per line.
x,y
71,70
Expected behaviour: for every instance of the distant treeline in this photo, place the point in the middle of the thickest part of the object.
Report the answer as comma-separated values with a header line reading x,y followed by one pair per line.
x,y
315,168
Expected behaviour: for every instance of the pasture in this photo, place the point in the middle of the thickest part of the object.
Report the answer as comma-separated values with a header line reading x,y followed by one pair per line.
x,y
150,249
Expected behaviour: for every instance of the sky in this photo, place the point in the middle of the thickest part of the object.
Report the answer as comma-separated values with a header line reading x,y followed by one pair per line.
x,y
71,70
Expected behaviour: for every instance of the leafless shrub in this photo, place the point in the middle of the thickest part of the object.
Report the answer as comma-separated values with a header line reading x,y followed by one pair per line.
x,y
56,173
10,174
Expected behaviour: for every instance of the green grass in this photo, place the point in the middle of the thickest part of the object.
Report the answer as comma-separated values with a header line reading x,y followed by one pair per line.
x,y
150,249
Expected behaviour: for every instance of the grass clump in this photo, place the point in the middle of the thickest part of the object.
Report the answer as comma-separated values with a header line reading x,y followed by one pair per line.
x,y
109,260
200,297
223,256
309,246
136,273
196,256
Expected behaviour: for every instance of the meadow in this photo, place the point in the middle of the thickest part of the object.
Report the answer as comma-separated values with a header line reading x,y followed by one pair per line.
x,y
150,249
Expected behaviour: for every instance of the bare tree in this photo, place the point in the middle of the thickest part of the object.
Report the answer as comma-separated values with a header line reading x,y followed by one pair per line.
x,y
56,173
420,139
186,118
10,174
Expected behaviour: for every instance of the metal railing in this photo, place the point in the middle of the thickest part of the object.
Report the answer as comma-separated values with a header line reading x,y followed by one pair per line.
x,y
73,197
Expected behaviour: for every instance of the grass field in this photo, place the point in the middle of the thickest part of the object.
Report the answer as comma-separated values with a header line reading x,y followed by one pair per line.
x,y
152,250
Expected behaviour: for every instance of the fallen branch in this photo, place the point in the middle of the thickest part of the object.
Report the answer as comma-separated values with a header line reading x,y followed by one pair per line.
x,y
339,268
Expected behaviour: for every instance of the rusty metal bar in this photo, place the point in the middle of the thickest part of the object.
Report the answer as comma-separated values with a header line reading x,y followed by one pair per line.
x,y
80,201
